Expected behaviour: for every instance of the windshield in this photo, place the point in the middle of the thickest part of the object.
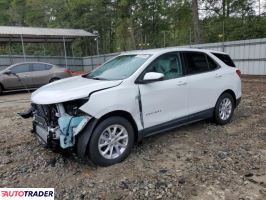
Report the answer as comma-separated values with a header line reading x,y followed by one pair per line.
x,y
118,68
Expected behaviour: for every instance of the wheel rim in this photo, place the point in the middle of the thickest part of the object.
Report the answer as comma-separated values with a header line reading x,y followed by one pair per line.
x,y
113,141
225,108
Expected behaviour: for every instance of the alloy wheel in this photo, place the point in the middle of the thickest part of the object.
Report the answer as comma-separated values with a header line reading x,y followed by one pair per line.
x,y
113,141
225,108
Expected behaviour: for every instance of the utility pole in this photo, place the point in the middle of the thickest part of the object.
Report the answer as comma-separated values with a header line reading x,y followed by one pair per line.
x,y
96,33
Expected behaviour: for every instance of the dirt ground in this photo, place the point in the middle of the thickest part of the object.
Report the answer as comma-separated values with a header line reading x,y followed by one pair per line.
x,y
198,161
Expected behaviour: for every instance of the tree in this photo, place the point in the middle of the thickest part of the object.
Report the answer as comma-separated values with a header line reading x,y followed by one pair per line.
x,y
17,12
195,18
137,24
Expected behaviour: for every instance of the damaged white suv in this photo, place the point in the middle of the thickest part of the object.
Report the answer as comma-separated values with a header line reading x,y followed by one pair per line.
x,y
136,94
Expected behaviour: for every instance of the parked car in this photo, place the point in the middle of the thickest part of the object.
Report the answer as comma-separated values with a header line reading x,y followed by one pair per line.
x,y
135,95
25,75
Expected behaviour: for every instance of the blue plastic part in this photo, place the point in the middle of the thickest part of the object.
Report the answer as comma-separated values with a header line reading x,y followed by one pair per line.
x,y
67,123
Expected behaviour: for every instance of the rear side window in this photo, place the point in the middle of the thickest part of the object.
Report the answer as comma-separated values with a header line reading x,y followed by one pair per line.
x,y
21,68
212,64
41,67
196,62
225,59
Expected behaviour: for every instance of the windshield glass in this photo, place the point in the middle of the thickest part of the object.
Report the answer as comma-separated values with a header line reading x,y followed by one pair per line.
x,y
118,68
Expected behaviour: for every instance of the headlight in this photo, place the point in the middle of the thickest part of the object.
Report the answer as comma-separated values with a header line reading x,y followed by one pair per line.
x,y
72,107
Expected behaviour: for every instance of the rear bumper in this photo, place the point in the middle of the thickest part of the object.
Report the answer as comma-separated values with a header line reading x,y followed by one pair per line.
x,y
238,101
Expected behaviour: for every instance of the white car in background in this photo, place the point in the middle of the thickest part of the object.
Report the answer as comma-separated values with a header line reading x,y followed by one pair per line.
x,y
136,94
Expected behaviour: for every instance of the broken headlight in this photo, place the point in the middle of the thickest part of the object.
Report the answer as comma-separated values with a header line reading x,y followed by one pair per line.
x,y
72,107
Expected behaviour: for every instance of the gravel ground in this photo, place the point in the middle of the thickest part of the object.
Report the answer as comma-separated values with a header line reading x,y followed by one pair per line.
x,y
198,161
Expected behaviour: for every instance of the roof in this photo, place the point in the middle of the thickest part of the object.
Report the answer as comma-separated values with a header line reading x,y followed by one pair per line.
x,y
34,34
169,49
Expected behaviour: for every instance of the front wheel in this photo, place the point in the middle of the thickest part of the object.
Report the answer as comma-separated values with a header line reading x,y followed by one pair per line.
x,y
224,109
111,141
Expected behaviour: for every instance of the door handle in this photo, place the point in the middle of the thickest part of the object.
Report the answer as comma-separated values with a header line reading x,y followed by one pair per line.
x,y
218,75
180,83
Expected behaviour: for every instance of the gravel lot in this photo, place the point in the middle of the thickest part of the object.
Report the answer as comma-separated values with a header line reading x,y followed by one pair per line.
x,y
198,161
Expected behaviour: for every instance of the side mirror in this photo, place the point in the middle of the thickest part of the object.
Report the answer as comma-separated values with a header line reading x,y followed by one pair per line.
x,y
8,72
153,76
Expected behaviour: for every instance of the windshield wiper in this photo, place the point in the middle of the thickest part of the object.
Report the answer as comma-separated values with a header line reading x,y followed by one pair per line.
x,y
94,78
98,78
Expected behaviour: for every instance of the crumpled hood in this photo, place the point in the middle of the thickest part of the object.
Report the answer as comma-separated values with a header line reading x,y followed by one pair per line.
x,y
69,89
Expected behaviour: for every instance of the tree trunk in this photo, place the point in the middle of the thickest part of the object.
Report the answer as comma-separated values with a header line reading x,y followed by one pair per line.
x,y
195,18
223,4
227,8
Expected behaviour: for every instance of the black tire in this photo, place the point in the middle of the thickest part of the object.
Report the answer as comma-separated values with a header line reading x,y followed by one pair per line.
x,y
217,115
93,151
54,79
1,89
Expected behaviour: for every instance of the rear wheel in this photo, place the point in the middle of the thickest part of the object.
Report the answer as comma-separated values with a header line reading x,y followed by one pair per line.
x,y
1,89
224,109
111,141
54,79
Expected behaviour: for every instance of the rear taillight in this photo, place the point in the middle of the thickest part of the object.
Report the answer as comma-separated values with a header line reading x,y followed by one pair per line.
x,y
68,71
238,72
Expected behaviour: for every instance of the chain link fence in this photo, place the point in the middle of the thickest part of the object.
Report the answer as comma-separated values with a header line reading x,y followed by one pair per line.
x,y
248,55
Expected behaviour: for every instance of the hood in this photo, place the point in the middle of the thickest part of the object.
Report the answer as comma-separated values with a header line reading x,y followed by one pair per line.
x,y
69,89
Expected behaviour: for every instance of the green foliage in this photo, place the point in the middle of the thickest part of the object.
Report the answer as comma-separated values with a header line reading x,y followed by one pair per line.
x,y
133,24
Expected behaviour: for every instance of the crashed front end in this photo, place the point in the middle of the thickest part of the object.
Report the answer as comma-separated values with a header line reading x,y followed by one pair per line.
x,y
57,115
59,124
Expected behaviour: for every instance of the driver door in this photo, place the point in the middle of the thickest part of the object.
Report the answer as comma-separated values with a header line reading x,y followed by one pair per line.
x,y
165,100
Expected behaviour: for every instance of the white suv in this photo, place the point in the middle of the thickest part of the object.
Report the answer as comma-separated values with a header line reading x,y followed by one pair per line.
x,y
136,94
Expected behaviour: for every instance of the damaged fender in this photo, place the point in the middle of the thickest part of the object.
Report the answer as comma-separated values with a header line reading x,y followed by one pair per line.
x,y
84,137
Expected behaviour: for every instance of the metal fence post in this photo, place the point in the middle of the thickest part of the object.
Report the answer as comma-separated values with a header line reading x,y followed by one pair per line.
x,y
92,63
65,51
23,48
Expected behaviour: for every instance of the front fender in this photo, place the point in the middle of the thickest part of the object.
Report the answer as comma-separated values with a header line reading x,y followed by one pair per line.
x,y
114,99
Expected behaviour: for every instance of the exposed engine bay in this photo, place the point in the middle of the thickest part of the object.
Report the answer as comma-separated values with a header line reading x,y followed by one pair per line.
x,y
58,123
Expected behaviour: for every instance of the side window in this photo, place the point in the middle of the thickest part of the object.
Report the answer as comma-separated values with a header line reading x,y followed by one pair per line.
x,y
39,67
21,68
167,64
48,67
196,62
212,64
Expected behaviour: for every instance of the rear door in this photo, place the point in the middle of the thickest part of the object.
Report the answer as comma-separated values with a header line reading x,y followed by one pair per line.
x,y
204,78
20,79
40,74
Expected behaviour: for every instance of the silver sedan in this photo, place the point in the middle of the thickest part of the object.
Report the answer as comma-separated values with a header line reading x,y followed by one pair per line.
x,y
30,75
